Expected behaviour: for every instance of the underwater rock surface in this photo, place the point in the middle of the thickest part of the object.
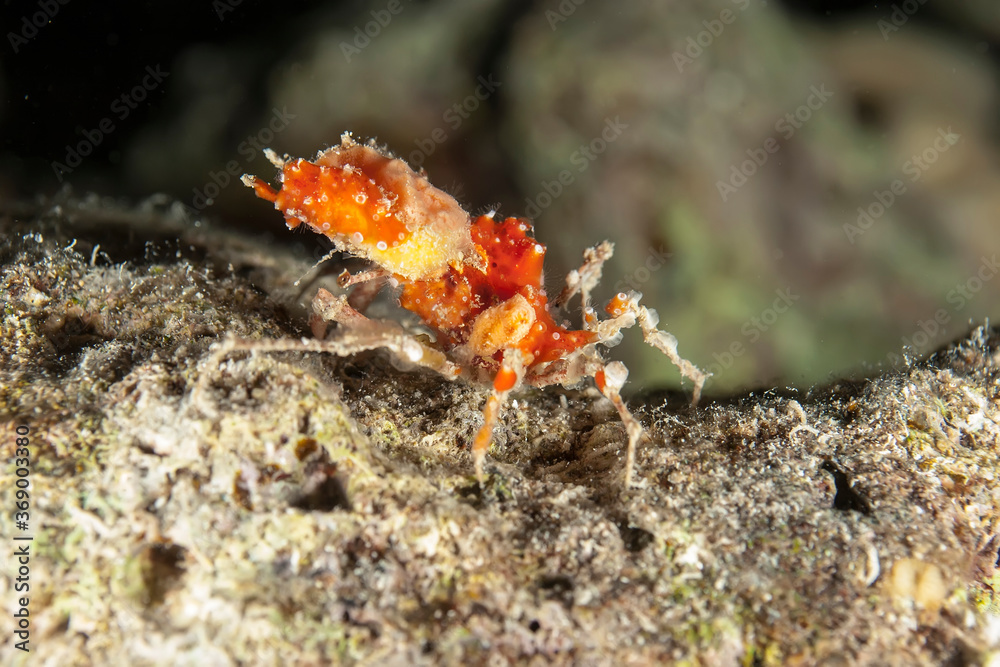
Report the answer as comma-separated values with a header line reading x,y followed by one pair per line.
x,y
298,509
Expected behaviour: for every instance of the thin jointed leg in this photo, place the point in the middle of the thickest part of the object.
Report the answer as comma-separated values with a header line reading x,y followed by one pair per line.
x,y
507,378
610,381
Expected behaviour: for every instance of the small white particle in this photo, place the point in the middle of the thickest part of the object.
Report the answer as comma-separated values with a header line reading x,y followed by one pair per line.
x,y
381,245
361,197
412,350
358,238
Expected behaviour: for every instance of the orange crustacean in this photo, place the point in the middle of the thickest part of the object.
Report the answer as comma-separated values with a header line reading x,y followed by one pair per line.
x,y
475,282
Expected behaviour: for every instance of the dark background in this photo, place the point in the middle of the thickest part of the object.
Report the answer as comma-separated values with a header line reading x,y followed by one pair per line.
x,y
63,79
859,303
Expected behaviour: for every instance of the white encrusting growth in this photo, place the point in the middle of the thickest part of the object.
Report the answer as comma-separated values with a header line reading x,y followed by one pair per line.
x,y
438,228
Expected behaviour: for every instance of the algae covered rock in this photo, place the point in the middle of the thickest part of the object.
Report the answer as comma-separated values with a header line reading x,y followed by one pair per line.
x,y
298,509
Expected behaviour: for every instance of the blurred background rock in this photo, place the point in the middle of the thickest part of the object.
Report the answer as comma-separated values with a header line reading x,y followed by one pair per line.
x,y
740,139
